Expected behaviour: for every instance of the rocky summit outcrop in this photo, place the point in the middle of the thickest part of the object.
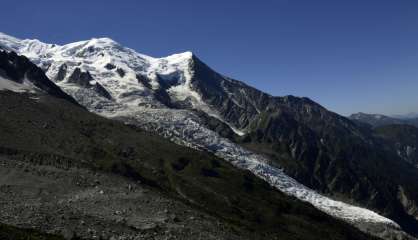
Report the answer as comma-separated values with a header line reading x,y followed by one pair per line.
x,y
22,71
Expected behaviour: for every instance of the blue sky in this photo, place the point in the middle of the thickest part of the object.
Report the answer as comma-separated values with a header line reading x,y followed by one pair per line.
x,y
350,56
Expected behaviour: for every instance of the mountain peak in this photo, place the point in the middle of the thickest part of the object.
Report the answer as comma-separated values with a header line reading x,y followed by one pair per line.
x,y
180,57
102,41
360,115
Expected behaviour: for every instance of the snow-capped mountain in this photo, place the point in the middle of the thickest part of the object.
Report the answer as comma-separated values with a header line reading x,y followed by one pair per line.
x,y
169,95
114,75
410,115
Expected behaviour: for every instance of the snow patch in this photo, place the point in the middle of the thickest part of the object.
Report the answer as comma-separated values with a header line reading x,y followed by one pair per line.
x,y
9,85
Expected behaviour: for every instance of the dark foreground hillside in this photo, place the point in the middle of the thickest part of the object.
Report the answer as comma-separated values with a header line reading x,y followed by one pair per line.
x,y
67,171
9,232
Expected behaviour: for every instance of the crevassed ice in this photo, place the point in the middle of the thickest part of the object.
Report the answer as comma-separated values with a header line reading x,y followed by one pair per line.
x,y
183,127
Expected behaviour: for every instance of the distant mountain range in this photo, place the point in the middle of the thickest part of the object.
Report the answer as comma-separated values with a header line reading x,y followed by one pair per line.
x,y
294,144
377,120
401,132
405,116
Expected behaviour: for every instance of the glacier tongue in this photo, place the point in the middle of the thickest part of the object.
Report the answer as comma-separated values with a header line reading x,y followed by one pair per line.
x,y
119,70
183,127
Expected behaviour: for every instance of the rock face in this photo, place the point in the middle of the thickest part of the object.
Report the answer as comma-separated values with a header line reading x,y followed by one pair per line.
x,y
22,71
403,139
62,72
83,79
184,100
80,78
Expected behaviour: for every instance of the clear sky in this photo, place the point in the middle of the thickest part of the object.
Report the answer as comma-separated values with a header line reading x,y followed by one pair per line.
x,y
350,56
